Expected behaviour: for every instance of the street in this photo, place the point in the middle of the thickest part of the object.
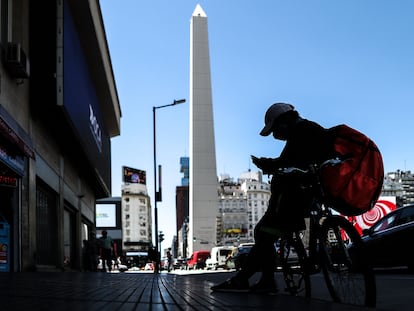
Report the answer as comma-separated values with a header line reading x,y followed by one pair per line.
x,y
395,288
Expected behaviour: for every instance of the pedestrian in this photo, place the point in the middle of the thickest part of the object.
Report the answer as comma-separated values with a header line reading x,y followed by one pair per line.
x,y
106,244
154,257
86,262
90,255
117,262
306,142
93,252
169,259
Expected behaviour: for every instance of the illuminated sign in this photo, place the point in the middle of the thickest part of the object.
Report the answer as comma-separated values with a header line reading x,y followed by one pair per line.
x,y
134,176
105,215
14,161
6,180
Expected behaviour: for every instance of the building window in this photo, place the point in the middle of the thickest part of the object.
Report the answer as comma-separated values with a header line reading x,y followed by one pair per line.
x,y
5,21
46,235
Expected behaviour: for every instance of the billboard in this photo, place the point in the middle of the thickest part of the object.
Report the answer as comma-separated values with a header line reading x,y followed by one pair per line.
x,y
383,206
81,103
105,215
133,176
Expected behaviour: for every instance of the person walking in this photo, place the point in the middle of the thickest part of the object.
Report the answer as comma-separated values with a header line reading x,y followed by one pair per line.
x,y
306,143
169,259
106,244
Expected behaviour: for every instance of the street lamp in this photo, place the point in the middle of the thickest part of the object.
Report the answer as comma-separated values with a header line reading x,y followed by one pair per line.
x,y
157,194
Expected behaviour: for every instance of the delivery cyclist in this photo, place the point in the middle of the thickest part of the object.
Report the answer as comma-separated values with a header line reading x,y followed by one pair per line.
x,y
306,143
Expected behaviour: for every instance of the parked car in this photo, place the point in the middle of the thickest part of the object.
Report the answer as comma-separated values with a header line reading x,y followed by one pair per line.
x,y
219,256
292,258
164,263
239,255
180,263
198,260
121,267
149,266
388,242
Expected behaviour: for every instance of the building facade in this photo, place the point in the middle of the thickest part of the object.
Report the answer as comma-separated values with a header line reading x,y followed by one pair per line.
x,y
136,217
399,184
258,195
232,213
58,111
180,247
241,205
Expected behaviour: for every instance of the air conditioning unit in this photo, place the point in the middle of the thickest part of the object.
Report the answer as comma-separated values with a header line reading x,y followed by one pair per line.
x,y
16,61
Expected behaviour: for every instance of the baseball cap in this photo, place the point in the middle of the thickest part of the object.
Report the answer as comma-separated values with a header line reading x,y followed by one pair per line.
x,y
274,112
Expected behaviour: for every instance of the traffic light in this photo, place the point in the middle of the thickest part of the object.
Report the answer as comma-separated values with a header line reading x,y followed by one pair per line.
x,y
194,239
161,236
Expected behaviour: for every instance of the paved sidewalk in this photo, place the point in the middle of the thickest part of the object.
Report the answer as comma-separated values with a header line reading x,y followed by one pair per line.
x,y
86,291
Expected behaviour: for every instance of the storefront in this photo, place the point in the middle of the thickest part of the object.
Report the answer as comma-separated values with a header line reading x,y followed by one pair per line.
x,y
15,150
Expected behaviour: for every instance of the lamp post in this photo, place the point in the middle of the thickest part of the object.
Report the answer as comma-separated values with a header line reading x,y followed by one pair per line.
x,y
157,194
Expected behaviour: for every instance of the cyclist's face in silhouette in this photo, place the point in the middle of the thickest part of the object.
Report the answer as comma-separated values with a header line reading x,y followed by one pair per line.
x,y
280,129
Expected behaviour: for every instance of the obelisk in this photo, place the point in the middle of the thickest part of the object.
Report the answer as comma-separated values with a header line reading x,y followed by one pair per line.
x,y
203,172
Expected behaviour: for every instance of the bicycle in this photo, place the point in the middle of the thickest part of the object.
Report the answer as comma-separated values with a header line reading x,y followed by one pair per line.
x,y
334,247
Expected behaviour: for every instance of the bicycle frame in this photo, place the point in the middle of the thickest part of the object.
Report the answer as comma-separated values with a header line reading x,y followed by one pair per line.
x,y
315,217
348,276
318,213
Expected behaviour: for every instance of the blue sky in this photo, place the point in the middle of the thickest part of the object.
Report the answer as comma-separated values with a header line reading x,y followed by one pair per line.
x,y
336,61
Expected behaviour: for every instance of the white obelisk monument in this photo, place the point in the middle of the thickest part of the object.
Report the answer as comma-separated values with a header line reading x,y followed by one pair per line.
x,y
203,172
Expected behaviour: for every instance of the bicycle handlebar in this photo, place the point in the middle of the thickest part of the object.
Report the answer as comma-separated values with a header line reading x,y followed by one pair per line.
x,y
292,169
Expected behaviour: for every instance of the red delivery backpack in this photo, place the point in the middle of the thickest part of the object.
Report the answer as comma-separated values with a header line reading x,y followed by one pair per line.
x,y
353,187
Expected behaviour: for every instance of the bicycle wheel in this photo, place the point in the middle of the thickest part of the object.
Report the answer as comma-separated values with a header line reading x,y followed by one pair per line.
x,y
348,275
293,260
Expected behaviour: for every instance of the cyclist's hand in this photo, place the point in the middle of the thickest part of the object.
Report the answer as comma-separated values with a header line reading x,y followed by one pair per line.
x,y
261,163
256,161
265,164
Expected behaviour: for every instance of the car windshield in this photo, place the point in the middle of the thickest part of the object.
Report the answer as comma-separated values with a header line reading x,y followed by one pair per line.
x,y
245,249
407,215
386,223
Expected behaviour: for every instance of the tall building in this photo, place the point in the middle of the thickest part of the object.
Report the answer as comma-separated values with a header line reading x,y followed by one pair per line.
x,y
185,169
182,204
232,213
59,109
136,211
203,175
258,195
241,205
399,184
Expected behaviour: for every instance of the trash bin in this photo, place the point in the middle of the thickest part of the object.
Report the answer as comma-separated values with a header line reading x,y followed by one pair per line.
x,y
4,245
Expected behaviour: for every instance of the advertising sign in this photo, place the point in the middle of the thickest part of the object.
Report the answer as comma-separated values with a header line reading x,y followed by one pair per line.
x,y
4,245
82,104
105,215
133,176
383,206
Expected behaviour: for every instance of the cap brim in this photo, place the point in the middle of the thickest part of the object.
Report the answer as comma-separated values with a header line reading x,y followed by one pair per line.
x,y
266,131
